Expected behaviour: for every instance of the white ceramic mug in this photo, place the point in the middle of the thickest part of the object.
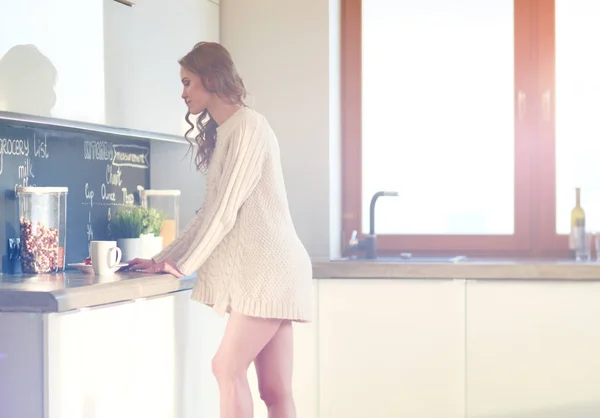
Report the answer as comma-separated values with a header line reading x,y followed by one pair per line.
x,y
105,256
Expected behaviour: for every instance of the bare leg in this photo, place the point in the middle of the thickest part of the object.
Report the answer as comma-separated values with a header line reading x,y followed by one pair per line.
x,y
274,370
244,338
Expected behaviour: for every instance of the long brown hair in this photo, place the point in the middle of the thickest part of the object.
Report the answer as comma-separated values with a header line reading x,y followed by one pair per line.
x,y
213,64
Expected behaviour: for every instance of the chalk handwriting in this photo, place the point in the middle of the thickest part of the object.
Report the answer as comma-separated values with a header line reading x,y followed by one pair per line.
x,y
89,195
26,169
98,150
113,177
109,217
131,156
40,147
90,230
106,195
128,198
15,147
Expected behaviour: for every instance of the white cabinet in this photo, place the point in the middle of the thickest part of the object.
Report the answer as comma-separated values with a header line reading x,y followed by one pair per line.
x,y
198,332
177,338
151,358
90,368
100,61
378,348
51,59
21,365
148,357
391,348
533,349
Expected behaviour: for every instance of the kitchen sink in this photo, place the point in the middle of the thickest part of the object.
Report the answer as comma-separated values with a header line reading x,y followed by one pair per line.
x,y
409,259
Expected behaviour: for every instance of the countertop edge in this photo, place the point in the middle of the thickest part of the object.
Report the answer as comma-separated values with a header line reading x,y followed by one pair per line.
x,y
102,293
471,270
115,292
50,295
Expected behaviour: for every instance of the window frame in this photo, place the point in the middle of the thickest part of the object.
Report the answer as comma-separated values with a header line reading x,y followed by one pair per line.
x,y
534,210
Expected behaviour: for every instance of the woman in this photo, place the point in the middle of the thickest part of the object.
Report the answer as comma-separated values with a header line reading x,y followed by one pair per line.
x,y
249,260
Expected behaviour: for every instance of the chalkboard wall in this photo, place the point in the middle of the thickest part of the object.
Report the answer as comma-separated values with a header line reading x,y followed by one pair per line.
x,y
102,172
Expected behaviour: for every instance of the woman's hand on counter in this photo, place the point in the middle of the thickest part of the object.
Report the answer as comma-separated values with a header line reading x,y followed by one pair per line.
x,y
150,266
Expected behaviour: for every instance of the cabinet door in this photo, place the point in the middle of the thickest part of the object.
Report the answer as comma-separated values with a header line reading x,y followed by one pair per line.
x,y
160,340
148,357
90,356
40,74
21,365
198,332
177,339
532,349
391,348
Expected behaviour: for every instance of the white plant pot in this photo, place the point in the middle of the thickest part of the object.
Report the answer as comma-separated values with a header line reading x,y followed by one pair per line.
x,y
151,245
131,248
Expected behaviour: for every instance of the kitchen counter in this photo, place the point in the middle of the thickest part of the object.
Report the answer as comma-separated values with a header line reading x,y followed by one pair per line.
x,y
72,289
475,269
78,345
470,336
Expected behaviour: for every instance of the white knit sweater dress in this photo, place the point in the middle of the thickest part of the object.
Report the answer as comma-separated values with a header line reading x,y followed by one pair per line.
x,y
243,243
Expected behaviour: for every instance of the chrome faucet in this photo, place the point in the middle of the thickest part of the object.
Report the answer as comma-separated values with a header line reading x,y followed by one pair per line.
x,y
369,242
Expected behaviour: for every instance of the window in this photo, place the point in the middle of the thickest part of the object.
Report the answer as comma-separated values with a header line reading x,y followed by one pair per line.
x,y
453,108
577,109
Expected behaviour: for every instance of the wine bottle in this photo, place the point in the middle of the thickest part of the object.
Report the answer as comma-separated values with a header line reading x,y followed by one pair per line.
x,y
577,237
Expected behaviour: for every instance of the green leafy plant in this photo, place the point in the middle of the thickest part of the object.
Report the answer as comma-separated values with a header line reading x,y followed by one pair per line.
x,y
152,220
133,221
127,223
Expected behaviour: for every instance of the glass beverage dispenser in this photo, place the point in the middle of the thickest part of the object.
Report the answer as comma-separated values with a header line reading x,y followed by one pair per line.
x,y
166,202
43,228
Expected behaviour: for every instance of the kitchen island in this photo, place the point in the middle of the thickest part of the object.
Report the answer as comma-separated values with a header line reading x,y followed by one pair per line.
x,y
477,339
76,345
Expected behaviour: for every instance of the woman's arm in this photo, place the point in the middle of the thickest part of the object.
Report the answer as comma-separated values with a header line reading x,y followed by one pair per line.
x,y
242,169
175,249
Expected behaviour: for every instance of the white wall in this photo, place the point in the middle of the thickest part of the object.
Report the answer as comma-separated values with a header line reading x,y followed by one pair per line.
x,y
288,55
142,46
170,168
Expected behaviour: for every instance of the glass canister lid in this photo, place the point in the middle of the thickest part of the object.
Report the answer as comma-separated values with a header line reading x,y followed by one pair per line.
x,y
160,192
41,190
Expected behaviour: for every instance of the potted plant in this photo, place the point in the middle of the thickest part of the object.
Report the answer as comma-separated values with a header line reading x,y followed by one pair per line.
x,y
137,231
152,241
126,227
